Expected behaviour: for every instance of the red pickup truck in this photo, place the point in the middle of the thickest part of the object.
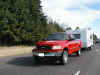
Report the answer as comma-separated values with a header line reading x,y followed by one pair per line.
x,y
57,46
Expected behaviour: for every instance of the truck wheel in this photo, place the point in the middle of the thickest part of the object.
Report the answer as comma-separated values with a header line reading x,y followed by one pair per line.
x,y
79,52
64,58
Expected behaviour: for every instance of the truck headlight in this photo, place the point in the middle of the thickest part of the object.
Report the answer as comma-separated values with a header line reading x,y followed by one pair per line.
x,y
56,47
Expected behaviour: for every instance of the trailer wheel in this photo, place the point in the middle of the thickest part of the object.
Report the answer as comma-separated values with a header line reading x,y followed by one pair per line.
x,y
64,58
91,48
79,52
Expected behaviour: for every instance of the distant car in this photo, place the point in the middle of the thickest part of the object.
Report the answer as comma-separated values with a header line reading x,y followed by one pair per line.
x,y
57,47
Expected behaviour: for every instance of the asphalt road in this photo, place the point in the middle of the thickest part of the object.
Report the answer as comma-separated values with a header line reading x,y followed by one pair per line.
x,y
87,64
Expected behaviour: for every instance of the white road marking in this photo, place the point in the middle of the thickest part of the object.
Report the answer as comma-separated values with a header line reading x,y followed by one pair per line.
x,y
77,73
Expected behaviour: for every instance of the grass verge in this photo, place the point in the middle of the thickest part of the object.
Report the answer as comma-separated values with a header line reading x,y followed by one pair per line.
x,y
15,50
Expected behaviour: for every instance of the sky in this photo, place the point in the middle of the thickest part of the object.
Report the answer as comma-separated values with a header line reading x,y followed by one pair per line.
x,y
82,13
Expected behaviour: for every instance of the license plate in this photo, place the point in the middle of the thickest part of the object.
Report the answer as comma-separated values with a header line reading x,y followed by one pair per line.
x,y
41,54
49,54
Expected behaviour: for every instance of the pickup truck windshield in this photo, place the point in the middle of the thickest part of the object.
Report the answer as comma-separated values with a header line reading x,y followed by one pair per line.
x,y
57,36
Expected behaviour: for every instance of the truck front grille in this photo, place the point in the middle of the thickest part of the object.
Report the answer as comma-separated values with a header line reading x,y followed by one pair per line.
x,y
43,47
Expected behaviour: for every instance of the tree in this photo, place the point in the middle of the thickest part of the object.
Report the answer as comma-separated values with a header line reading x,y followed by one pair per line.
x,y
68,28
94,37
77,28
24,21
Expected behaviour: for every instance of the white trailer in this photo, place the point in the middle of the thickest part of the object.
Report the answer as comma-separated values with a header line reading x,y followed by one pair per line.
x,y
86,36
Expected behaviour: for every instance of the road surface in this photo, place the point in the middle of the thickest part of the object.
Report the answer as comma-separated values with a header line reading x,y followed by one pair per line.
x,y
87,64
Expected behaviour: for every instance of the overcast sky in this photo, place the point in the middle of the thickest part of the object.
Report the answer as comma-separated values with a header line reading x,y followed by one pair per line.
x,y
82,13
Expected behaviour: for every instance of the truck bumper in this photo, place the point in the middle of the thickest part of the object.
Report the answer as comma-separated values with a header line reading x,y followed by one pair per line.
x,y
47,54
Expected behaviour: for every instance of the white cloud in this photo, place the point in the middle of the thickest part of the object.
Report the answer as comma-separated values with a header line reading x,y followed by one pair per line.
x,y
59,10
90,1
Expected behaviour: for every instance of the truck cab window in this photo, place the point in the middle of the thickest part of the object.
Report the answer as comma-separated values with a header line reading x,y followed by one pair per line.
x,y
72,37
77,36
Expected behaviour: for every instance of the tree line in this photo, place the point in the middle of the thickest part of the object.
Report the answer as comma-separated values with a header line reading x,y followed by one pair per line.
x,y
23,22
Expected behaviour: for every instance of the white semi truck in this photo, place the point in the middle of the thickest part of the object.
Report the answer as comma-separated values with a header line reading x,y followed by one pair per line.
x,y
86,37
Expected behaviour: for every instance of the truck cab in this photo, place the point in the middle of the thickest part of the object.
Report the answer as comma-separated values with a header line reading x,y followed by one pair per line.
x,y
56,46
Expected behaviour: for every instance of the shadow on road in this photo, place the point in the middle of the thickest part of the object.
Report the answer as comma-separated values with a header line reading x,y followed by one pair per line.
x,y
28,61
21,61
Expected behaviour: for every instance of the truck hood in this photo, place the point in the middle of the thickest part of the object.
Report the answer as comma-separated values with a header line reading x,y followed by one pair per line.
x,y
51,43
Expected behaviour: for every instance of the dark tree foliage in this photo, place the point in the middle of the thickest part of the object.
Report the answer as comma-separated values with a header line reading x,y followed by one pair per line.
x,y
77,28
68,28
22,21
95,37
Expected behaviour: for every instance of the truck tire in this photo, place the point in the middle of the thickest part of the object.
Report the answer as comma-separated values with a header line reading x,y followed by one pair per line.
x,y
78,52
64,58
